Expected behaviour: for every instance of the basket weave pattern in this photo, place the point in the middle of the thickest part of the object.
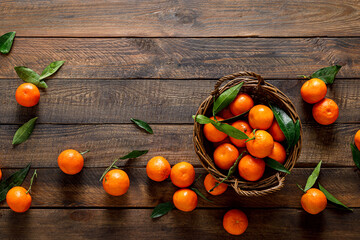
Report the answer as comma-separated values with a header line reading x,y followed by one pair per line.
x,y
262,92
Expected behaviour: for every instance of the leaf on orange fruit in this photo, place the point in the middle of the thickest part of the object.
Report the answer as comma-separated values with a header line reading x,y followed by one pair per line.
x,y
226,98
275,165
28,75
356,155
15,179
327,74
313,177
332,199
162,209
51,69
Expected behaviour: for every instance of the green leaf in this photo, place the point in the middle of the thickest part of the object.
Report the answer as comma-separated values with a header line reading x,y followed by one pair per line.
x,y
51,69
300,188
356,155
202,119
275,165
327,74
286,124
162,209
230,172
6,42
14,180
135,154
332,199
297,132
235,117
229,130
312,178
143,125
197,191
226,98
42,84
27,75
24,132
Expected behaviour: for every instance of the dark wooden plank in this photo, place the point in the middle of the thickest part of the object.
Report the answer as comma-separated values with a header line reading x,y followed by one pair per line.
x,y
199,224
107,142
180,58
181,18
55,189
154,101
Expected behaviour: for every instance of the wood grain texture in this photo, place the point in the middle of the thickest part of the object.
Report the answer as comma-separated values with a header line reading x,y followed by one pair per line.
x,y
179,58
55,189
154,101
181,18
199,224
174,142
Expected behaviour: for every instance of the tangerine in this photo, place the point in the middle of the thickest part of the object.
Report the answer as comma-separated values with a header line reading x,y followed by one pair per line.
x,y
235,222
212,134
250,168
158,169
356,139
278,153
71,161
27,95
261,144
313,201
313,90
325,112
185,200
226,113
276,132
210,182
116,182
18,199
182,174
245,128
242,103
225,156
260,117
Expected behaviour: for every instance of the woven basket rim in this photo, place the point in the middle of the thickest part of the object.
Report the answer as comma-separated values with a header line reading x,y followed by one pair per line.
x,y
266,185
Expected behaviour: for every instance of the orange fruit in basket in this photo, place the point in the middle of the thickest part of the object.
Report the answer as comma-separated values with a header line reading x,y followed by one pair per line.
x,y
235,222
313,90
356,139
275,132
27,95
71,161
182,174
260,117
212,134
226,113
313,201
245,128
210,182
158,169
225,156
18,199
262,144
242,103
325,112
116,182
250,168
278,153
185,200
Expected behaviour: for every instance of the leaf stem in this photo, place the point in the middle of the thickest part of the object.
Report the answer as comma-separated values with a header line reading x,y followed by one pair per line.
x,y
108,169
31,181
249,139
86,151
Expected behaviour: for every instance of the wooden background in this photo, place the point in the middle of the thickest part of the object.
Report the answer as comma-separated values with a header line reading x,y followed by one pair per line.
x,y
156,61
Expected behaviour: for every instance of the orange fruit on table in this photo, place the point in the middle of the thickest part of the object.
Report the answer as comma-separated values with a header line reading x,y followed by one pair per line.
x,y
212,134
158,169
325,112
185,200
250,168
27,95
18,200
313,90
275,132
262,144
225,156
242,103
245,128
116,182
235,222
313,201
182,174
226,113
70,161
356,139
260,117
210,182
278,153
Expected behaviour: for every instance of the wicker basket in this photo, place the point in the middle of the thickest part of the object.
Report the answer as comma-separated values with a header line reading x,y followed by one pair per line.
x,y
262,92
